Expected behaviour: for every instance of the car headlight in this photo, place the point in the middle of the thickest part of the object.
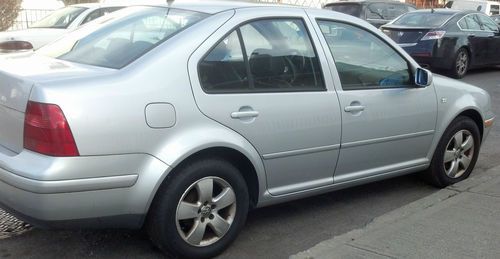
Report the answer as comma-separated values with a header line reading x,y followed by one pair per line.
x,y
8,46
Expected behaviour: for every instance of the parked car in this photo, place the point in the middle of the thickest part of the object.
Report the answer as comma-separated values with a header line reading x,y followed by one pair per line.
x,y
182,117
448,39
486,7
52,27
496,18
376,12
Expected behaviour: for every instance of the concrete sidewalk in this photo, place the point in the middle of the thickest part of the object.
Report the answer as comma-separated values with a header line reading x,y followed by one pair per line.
x,y
461,221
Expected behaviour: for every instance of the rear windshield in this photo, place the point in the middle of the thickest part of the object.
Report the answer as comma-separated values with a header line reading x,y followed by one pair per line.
x,y
119,38
420,19
352,9
59,19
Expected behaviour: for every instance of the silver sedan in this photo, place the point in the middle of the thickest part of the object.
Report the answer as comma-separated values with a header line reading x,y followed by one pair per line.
x,y
182,117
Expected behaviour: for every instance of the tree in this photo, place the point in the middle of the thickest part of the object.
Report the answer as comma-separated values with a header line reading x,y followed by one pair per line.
x,y
8,13
70,2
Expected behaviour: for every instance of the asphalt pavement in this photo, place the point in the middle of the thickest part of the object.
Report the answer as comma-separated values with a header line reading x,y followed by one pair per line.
x,y
290,229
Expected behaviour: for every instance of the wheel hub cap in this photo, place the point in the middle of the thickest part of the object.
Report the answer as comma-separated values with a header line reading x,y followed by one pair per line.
x,y
458,154
206,211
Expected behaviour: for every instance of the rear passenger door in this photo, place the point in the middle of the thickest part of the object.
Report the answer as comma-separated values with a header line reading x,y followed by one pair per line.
x,y
491,28
478,39
261,75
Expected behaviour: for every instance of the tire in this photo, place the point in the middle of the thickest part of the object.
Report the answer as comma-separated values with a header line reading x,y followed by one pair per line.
x,y
461,64
455,157
184,204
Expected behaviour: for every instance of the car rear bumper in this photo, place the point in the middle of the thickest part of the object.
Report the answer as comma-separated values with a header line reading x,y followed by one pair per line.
x,y
112,194
429,54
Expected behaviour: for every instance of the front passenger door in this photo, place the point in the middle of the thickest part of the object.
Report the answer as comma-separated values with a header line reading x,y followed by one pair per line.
x,y
388,123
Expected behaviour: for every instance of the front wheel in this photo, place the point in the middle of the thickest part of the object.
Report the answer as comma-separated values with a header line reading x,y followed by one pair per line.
x,y
456,153
200,210
461,64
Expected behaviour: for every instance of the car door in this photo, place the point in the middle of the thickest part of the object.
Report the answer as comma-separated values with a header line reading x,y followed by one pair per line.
x,y
388,122
262,77
478,39
490,27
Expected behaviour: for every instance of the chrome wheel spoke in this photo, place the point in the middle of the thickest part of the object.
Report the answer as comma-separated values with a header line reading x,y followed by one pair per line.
x,y
197,233
205,189
225,198
459,138
449,155
468,143
219,225
465,162
454,169
187,210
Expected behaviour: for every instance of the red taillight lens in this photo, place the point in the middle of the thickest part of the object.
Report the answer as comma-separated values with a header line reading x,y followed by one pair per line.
x,y
16,45
46,131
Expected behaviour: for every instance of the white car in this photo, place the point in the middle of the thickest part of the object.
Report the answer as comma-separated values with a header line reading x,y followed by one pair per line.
x,y
52,26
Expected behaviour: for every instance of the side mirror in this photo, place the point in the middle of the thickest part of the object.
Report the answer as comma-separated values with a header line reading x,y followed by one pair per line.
x,y
423,77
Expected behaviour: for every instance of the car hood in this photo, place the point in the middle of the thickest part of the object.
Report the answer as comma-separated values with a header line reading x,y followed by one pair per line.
x,y
36,36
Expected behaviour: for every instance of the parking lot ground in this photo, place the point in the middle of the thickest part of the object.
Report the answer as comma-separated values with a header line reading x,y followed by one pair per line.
x,y
461,221
282,230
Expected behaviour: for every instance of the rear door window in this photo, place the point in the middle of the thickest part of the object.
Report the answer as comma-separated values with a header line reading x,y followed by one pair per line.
x,y
274,55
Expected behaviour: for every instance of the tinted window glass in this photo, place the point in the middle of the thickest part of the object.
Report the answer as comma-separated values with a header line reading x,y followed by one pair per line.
x,y
121,37
352,9
378,11
494,9
422,19
277,56
59,19
93,15
281,55
472,23
224,68
363,60
488,24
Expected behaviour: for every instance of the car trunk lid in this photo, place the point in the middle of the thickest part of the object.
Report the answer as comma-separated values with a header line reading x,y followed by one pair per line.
x,y
18,75
405,35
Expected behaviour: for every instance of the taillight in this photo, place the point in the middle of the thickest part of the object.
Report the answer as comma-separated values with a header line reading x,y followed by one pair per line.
x,y
434,35
47,131
16,45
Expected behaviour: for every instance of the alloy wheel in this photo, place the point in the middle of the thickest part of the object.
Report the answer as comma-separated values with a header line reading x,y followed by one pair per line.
x,y
462,63
458,154
206,211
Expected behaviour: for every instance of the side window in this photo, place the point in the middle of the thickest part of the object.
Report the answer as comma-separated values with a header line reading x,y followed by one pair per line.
x,y
277,56
363,60
494,9
488,24
92,16
472,22
376,11
224,68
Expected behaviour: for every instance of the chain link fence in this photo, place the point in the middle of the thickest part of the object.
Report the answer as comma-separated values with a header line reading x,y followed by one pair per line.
x,y
308,3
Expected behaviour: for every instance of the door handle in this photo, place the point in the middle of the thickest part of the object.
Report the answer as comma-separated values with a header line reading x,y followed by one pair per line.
x,y
244,114
472,35
354,108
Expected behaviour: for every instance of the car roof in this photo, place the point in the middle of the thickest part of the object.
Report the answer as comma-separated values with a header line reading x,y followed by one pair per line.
x,y
366,1
444,11
209,6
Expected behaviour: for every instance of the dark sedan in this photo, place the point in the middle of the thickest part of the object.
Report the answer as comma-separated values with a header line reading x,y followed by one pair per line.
x,y
448,39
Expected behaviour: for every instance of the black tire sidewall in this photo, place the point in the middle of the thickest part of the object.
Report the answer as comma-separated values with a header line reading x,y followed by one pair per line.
x,y
161,221
438,173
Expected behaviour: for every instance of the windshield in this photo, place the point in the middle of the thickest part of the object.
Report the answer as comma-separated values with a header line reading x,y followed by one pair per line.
x,y
352,9
59,19
420,19
119,38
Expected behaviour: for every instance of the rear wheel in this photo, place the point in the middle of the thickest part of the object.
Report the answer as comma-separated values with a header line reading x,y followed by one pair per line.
x,y
456,153
461,64
200,210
